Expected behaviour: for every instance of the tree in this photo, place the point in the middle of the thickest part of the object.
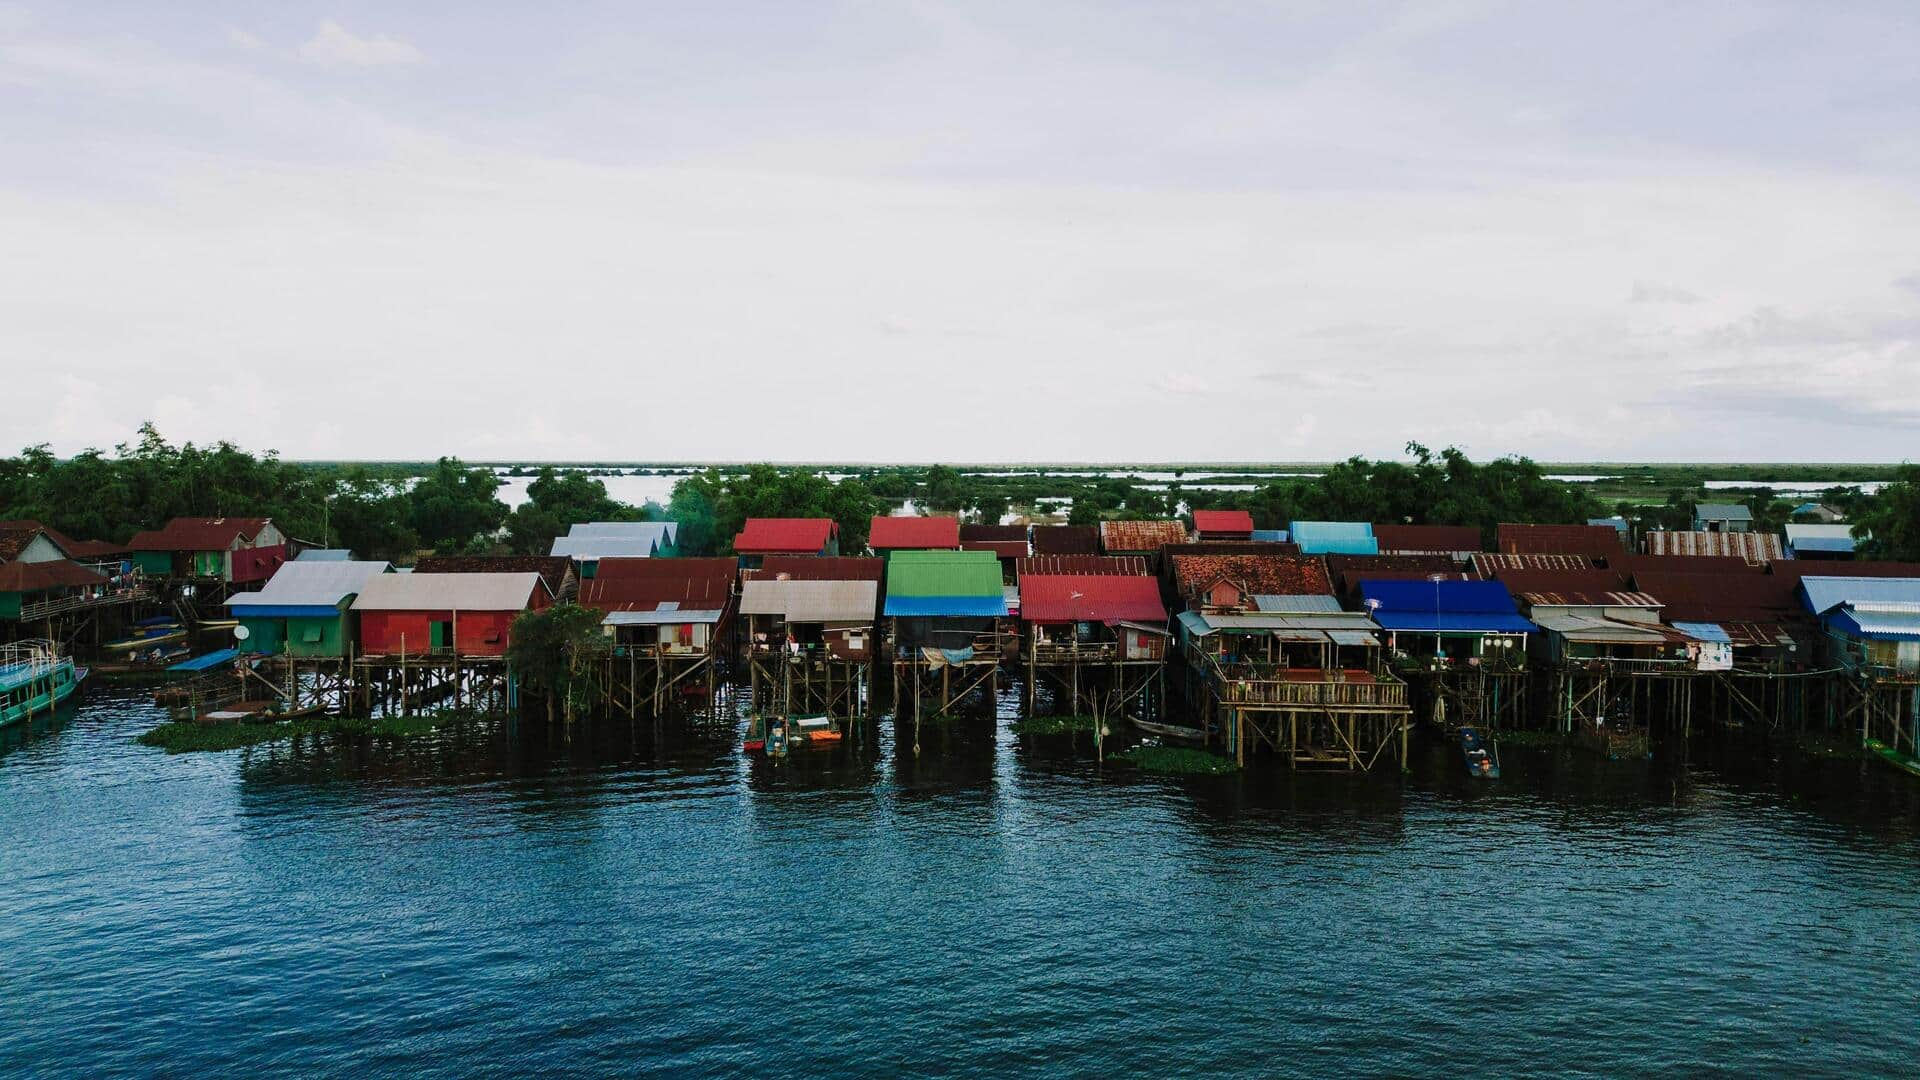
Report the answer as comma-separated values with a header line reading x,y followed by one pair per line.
x,y
1888,525
552,653
556,500
453,506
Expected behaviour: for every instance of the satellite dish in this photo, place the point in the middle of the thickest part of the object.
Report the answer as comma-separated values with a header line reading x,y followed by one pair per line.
x,y
241,633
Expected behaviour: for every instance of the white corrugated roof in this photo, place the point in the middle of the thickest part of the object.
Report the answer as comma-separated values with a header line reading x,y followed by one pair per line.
x,y
447,592
663,616
667,531
604,547
811,601
311,584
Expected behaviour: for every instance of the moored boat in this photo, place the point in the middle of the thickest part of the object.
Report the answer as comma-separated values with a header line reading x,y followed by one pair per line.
x,y
35,679
1482,761
1900,760
148,635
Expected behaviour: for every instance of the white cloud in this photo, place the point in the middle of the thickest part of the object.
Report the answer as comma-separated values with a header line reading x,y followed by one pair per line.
x,y
335,46
244,40
1652,292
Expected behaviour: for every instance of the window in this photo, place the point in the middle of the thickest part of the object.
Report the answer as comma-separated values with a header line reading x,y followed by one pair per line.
x,y
311,634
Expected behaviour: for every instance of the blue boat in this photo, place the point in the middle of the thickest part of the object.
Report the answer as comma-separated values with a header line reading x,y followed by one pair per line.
x,y
34,680
1483,759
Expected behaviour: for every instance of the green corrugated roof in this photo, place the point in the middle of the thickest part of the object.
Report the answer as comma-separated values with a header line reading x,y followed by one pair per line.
x,y
943,573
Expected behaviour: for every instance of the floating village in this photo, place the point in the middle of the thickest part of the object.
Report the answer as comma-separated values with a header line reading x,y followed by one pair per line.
x,y
1323,646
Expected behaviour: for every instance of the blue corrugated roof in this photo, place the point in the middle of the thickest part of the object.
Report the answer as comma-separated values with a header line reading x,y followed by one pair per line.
x,y
1896,625
287,611
1704,631
1466,607
922,607
1823,594
1278,536
1823,543
1335,538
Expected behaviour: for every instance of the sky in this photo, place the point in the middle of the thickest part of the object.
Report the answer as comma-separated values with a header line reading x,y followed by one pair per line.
x,y
900,231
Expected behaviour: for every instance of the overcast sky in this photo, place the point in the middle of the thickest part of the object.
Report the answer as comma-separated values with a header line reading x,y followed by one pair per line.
x,y
969,231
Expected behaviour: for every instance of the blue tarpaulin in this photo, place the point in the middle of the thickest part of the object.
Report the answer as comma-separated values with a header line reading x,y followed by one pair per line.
x,y
210,660
935,607
1445,607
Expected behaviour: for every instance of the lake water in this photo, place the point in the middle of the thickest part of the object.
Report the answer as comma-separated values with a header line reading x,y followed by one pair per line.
x,y
630,902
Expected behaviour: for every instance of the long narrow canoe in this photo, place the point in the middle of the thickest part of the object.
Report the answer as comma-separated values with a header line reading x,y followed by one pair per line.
x,y
1481,763
1902,761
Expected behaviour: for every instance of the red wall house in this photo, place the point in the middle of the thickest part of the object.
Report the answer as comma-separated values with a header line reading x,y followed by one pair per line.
x,y
464,614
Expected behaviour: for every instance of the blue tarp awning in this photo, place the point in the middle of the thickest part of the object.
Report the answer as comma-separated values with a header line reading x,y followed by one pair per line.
x,y
283,611
1704,631
1452,622
935,607
210,660
1444,607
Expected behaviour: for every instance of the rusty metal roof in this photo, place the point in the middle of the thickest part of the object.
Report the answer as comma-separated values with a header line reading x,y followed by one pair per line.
x,y
1722,598
1589,599
818,568
1598,541
993,533
1066,540
693,584
1427,539
1256,574
198,534
26,577
1002,549
1492,565
554,570
1118,536
1751,546
1131,565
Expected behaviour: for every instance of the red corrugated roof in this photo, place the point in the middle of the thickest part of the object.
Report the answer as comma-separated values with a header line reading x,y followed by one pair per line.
x,y
1599,541
1053,565
1105,598
694,584
1563,581
1689,564
25,577
1141,535
913,533
784,536
820,568
1276,575
198,534
1222,521
1394,539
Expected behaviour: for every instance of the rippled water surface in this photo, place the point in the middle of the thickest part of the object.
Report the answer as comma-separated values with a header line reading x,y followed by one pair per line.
x,y
630,901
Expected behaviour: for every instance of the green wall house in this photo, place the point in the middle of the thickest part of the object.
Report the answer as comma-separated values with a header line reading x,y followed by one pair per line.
x,y
302,611
208,549
24,583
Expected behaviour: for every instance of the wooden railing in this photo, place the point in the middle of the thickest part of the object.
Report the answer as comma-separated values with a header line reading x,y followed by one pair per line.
x,y
62,605
1327,693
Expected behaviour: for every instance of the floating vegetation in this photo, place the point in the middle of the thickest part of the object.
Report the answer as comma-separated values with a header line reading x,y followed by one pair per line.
x,y
1513,737
1051,725
1177,760
181,737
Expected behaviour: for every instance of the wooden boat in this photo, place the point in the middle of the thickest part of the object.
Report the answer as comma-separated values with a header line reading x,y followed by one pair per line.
x,y
1483,761
35,679
1905,762
814,732
775,735
1180,732
148,634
